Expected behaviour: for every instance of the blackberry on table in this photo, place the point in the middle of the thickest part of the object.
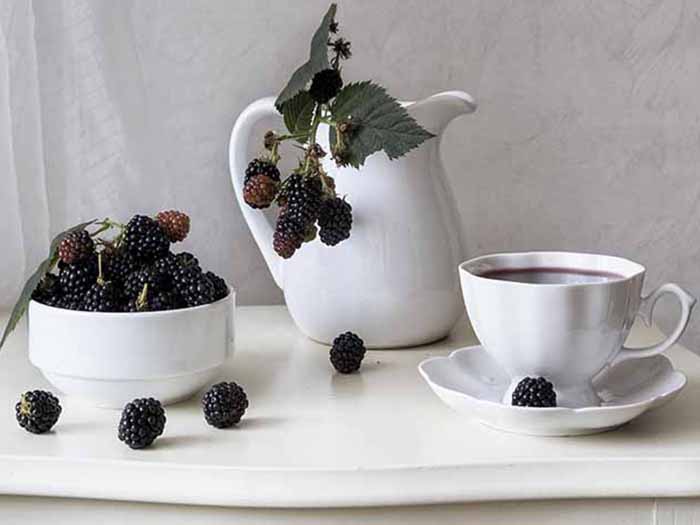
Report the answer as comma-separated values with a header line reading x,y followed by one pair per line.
x,y
335,221
325,85
261,167
37,411
347,353
288,236
220,286
145,239
76,246
142,421
75,279
224,404
534,392
175,224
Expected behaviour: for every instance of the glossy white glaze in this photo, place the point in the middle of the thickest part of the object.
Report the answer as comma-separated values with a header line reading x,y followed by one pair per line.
x,y
108,359
472,383
565,332
394,281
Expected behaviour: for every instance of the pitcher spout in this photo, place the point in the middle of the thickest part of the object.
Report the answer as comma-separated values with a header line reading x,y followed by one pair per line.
x,y
436,112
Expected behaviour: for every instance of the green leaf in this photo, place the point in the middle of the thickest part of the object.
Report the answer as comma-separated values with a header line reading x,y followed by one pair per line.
x,y
45,267
318,60
378,123
298,112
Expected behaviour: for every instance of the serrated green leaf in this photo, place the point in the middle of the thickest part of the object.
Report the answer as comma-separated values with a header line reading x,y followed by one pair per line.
x,y
298,112
318,60
378,123
44,267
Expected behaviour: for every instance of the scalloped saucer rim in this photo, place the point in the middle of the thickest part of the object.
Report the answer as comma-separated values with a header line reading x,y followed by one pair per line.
x,y
472,383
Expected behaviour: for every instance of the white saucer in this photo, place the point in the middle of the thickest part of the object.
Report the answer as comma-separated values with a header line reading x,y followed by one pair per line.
x,y
472,383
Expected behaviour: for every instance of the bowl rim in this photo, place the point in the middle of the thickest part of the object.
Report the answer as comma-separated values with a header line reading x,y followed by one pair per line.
x,y
54,310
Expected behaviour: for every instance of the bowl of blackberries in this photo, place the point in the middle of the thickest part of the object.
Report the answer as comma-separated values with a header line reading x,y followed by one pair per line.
x,y
122,314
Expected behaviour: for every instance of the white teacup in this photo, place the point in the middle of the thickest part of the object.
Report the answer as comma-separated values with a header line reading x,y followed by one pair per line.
x,y
564,316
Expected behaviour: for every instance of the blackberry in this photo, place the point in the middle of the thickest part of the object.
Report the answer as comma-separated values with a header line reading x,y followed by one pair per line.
x,y
142,421
193,286
325,85
175,224
155,302
288,236
347,353
75,247
260,191
220,286
48,291
224,404
534,392
156,279
335,221
302,198
75,279
37,411
145,239
118,266
261,167
102,297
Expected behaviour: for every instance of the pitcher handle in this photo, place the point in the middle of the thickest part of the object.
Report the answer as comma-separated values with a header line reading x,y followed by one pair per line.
x,y
646,310
238,161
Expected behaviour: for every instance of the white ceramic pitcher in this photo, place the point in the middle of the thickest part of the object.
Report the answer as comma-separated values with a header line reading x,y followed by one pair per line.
x,y
394,281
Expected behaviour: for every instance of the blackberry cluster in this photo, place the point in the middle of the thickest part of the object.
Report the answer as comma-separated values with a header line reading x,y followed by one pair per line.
x,y
347,353
534,392
224,404
142,421
132,273
37,411
335,221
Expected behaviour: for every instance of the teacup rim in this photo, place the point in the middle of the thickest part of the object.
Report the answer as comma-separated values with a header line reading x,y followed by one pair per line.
x,y
637,268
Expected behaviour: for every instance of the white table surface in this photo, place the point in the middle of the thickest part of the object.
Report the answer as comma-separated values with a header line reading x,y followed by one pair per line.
x,y
313,438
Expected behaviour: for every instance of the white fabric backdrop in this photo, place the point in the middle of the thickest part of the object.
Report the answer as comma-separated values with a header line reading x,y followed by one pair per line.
x,y
587,136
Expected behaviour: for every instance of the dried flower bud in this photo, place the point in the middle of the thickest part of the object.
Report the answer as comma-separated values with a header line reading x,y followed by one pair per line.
x,y
270,140
316,151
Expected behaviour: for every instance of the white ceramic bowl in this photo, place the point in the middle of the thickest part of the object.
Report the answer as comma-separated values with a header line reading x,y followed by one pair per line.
x,y
108,359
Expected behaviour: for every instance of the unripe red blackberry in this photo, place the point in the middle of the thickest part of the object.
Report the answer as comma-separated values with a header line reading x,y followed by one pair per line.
x,y
175,224
75,247
260,191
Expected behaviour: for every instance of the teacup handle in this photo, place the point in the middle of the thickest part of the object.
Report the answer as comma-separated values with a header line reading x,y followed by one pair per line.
x,y
646,310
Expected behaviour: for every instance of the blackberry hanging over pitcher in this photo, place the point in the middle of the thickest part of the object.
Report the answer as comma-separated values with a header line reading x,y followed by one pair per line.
x,y
361,119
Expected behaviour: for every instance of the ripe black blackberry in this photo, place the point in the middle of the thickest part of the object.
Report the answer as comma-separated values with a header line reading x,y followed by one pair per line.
x,y
37,411
155,302
335,221
157,280
302,198
261,167
288,236
145,239
48,291
118,266
220,286
193,286
325,85
224,404
75,279
534,392
175,224
75,247
142,421
102,297
347,353
260,191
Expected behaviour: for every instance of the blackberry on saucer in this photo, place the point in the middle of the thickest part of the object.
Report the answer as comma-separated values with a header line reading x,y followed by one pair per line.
x,y
534,392
145,239
224,404
37,411
142,421
347,353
